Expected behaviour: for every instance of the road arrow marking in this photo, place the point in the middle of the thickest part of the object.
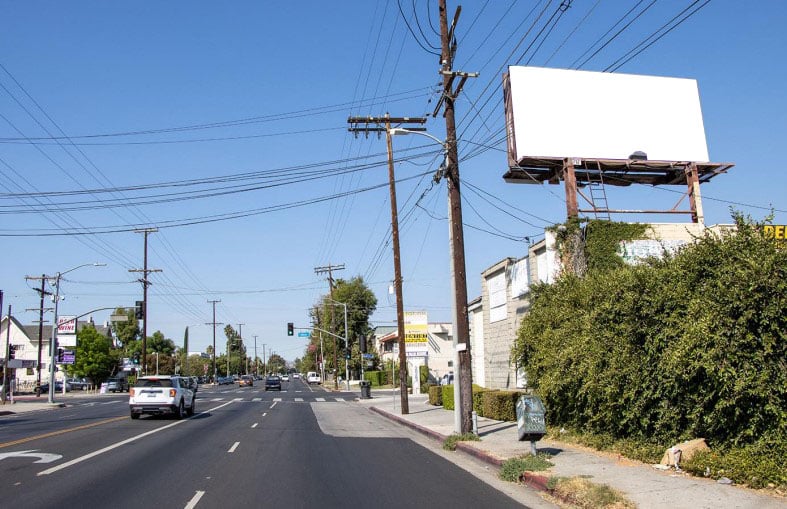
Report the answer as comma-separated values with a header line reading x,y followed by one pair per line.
x,y
43,457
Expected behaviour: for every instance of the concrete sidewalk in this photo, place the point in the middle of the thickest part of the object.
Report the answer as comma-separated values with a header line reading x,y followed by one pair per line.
x,y
641,483
30,403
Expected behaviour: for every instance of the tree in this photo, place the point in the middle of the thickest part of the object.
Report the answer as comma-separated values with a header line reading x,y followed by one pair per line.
x,y
236,349
93,359
127,331
329,316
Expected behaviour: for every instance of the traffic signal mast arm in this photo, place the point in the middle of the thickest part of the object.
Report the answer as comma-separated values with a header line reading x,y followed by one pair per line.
x,y
324,331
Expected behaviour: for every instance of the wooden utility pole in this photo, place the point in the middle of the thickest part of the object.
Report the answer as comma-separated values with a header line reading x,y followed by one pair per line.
x,y
329,269
42,292
386,121
462,328
145,283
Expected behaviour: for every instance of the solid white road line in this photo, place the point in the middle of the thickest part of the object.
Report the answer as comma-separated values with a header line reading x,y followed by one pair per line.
x,y
193,502
234,446
118,444
274,402
254,425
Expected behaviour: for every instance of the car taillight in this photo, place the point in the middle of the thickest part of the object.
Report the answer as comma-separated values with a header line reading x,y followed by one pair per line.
x,y
172,393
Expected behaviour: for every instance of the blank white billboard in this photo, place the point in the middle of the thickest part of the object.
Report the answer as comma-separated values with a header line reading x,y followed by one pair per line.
x,y
596,115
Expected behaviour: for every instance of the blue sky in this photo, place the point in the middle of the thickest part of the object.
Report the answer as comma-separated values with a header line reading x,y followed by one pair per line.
x,y
249,94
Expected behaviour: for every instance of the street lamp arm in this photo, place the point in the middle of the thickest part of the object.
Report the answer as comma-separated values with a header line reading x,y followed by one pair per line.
x,y
94,264
401,130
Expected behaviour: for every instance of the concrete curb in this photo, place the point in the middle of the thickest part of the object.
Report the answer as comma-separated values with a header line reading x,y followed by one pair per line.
x,y
425,431
530,479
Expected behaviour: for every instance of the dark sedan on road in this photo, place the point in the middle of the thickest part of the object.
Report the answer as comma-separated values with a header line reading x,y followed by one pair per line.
x,y
272,382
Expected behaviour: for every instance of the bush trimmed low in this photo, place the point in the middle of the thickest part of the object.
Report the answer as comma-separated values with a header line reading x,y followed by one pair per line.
x,y
501,405
374,377
448,396
435,395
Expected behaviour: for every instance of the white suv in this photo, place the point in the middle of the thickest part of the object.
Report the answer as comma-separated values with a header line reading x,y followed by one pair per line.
x,y
312,378
161,394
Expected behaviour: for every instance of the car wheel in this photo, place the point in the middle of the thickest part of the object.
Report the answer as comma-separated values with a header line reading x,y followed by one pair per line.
x,y
181,411
190,411
134,416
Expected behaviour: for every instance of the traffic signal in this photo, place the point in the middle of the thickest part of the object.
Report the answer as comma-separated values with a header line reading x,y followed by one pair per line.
x,y
136,358
347,353
139,310
59,355
290,329
362,343
12,351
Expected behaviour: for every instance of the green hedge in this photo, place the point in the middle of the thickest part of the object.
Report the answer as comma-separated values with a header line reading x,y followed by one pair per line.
x,y
478,399
375,377
500,405
692,345
448,396
435,395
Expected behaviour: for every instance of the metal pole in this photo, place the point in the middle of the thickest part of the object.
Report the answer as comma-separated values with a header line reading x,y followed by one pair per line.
x,y
322,359
53,344
256,364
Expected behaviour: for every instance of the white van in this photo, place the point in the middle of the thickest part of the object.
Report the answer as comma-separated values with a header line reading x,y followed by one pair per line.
x,y
312,378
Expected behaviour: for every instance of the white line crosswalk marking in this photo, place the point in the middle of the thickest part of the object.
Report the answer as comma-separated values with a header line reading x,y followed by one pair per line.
x,y
298,399
257,399
319,399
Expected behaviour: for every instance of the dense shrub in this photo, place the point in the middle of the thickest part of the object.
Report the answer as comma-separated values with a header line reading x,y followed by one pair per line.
x,y
478,399
435,395
689,346
500,405
374,377
448,396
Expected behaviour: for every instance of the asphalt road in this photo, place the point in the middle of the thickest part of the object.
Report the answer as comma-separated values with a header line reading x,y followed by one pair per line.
x,y
303,447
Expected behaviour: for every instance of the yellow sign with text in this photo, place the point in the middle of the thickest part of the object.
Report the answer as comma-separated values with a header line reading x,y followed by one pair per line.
x,y
775,231
415,327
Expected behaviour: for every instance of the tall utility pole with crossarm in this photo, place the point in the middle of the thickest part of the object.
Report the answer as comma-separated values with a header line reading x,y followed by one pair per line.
x,y
462,329
329,269
384,124
145,283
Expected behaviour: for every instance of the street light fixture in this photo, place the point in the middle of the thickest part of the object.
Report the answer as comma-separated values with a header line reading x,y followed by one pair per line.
x,y
346,339
53,342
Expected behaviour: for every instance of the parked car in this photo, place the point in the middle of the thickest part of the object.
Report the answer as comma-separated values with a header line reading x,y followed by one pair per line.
x,y
312,378
162,394
117,385
58,386
78,384
447,379
273,382
246,381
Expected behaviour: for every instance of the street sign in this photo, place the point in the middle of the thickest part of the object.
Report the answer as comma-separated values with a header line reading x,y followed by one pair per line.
x,y
304,334
368,356
68,357
66,325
